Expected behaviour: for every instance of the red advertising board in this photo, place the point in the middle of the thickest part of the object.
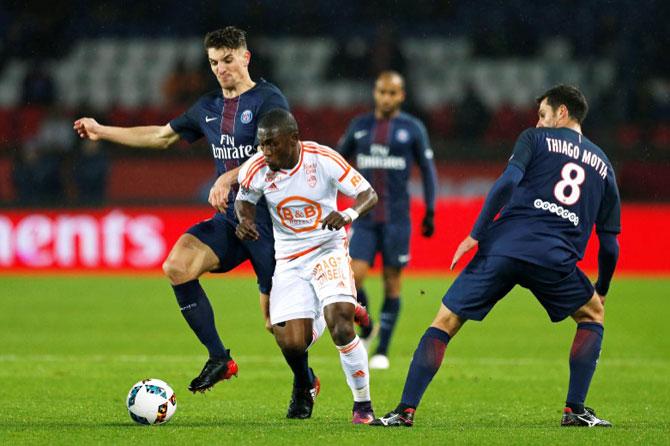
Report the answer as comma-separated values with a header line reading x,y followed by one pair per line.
x,y
138,239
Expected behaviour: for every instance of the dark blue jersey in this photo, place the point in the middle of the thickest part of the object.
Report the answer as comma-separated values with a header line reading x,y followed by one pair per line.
x,y
568,185
230,128
384,151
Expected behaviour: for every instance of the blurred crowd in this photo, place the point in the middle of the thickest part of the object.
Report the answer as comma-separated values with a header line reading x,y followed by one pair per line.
x,y
51,165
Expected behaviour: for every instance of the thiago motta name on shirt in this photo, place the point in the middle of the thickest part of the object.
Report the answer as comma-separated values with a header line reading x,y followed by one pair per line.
x,y
228,150
574,151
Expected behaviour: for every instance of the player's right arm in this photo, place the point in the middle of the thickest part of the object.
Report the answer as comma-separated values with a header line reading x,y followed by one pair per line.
x,y
247,197
499,195
152,136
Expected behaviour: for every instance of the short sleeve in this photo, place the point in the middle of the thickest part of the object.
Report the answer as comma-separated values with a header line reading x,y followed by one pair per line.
x,y
187,126
352,183
523,150
247,178
609,214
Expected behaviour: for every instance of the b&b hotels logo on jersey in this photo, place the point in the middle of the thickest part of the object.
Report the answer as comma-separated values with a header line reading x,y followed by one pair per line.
x,y
299,214
228,150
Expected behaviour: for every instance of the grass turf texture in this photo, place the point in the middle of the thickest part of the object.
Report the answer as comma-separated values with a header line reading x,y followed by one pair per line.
x,y
72,347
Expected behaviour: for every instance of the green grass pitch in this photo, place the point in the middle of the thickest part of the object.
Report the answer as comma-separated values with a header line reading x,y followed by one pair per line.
x,y
71,347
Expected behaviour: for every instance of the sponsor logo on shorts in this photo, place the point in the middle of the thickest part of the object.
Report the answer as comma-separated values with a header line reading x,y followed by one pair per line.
x,y
556,210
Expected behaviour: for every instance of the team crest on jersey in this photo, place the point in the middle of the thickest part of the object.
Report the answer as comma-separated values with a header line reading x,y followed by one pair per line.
x,y
310,170
402,135
246,116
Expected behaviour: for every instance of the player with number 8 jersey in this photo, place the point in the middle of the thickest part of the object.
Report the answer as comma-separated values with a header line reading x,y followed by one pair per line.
x,y
557,185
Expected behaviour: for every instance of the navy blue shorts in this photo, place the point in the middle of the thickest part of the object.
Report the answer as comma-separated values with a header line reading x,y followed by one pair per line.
x,y
391,239
487,279
219,234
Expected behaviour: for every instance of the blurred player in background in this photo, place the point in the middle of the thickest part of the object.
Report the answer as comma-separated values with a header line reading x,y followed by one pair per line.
x,y
557,185
300,181
228,119
384,145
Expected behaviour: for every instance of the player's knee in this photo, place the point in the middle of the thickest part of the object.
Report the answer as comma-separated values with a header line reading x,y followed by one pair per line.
x,y
176,271
342,332
292,345
593,311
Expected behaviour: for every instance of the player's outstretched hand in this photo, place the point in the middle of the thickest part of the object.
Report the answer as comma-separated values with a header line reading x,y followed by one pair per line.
x,y
335,220
218,194
87,128
465,246
428,224
246,230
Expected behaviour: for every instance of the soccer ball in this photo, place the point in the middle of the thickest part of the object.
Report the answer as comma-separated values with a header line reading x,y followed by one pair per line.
x,y
151,401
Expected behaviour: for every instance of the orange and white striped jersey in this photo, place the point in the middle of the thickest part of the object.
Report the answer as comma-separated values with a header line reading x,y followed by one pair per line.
x,y
300,198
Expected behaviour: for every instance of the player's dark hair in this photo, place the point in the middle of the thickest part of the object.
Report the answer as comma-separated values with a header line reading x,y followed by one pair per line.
x,y
228,37
280,119
567,95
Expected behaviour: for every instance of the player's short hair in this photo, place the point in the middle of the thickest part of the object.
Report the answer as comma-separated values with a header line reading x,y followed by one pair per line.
x,y
229,37
280,119
567,95
391,74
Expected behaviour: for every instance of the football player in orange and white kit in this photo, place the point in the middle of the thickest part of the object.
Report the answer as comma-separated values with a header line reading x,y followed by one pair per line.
x,y
313,277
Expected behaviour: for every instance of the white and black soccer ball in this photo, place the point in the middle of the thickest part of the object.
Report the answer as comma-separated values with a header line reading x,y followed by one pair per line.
x,y
151,401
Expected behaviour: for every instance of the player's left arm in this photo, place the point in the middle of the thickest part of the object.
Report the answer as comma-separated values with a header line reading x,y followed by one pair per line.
x,y
608,225
423,155
365,201
246,214
351,183
499,195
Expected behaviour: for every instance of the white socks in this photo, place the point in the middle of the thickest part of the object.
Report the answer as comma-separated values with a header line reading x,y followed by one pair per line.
x,y
354,359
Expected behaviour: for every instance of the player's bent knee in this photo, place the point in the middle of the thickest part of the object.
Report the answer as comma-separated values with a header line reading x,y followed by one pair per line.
x,y
177,272
592,311
447,321
342,332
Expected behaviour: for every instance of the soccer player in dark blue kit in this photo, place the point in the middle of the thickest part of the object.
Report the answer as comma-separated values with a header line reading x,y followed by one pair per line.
x,y
384,145
228,118
557,185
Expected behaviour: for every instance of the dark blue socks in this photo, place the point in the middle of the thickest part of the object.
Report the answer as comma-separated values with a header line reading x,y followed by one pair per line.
x,y
387,321
197,311
425,364
298,362
583,358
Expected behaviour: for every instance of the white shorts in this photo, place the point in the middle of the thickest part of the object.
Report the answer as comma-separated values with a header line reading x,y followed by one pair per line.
x,y
303,286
